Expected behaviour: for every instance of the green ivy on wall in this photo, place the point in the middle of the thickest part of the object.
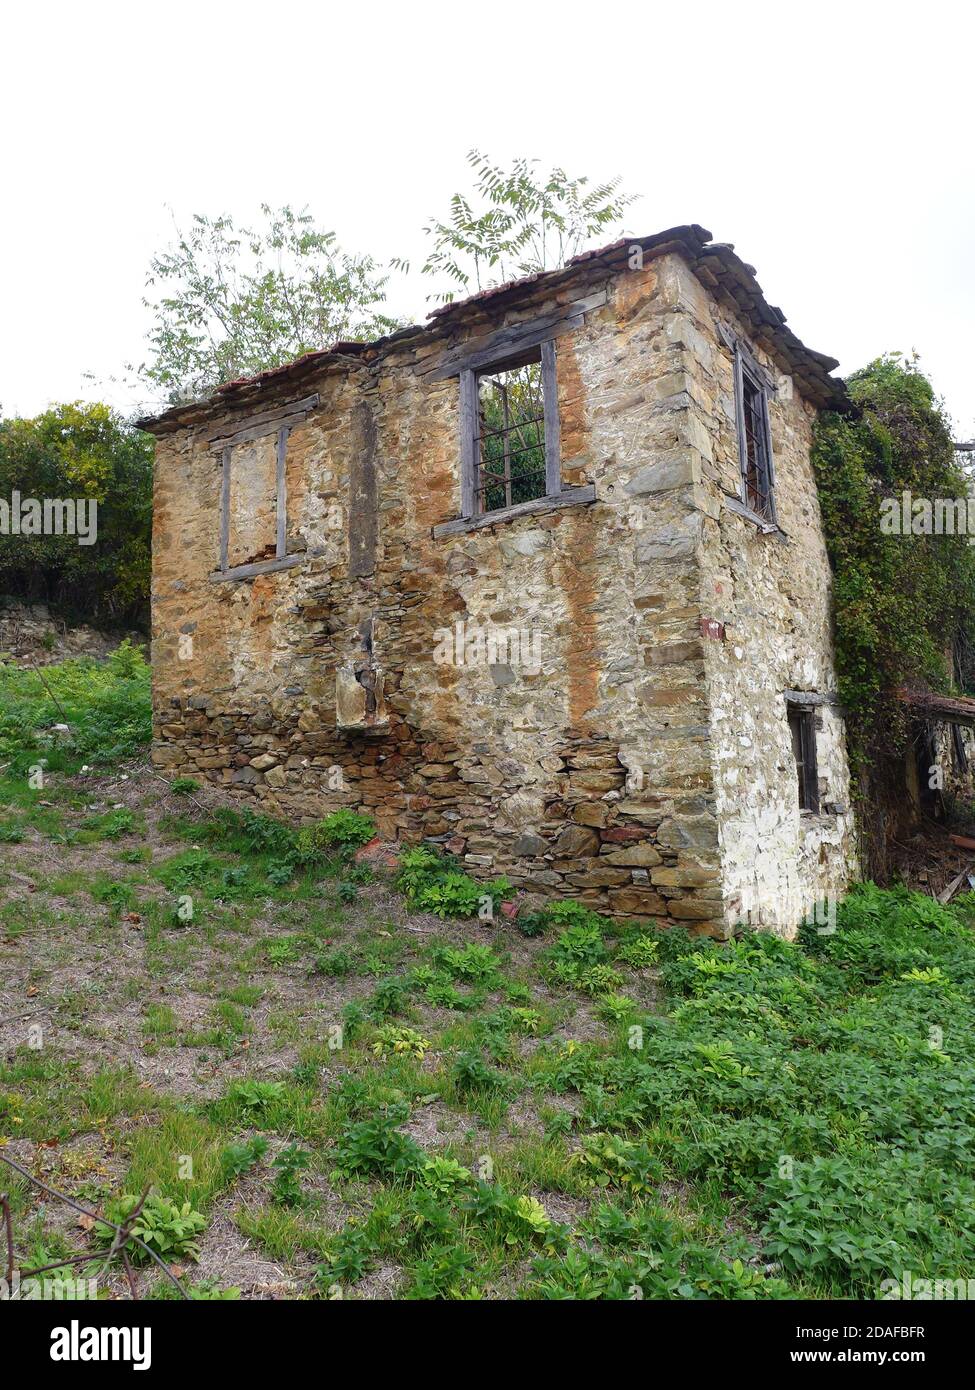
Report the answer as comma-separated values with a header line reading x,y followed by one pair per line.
x,y
904,603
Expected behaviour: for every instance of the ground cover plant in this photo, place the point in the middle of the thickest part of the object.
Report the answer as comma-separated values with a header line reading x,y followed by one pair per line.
x,y
399,1092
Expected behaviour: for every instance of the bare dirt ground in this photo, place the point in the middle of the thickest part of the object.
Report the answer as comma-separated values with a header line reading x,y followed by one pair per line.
x,y
123,1032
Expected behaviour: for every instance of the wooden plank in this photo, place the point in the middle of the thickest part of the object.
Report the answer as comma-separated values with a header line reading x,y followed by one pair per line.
x,y
962,841
225,510
740,427
810,761
766,527
363,511
506,446
282,491
952,888
286,562
570,497
550,409
506,342
769,463
258,432
218,438
468,443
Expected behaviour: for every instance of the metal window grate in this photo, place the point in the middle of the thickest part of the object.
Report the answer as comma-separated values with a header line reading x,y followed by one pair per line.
x,y
756,468
509,446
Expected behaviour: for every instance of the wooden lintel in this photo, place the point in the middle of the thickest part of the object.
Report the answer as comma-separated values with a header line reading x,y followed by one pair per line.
x,y
266,423
284,562
517,337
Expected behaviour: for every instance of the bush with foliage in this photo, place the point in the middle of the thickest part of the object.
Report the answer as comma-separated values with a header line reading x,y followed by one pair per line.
x,y
342,830
434,884
518,221
238,300
106,705
76,451
901,601
168,1228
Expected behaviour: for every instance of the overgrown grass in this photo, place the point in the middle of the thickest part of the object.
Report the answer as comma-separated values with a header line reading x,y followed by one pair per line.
x,y
786,1120
106,705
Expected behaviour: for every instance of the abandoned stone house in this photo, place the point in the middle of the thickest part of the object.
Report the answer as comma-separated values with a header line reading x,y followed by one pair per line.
x,y
543,580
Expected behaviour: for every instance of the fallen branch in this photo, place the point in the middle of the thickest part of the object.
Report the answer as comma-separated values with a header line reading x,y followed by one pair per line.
x,y
121,1231
28,1013
37,672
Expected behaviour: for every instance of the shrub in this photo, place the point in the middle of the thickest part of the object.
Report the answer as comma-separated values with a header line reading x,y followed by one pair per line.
x,y
471,1073
184,786
286,1188
435,885
443,1176
376,1147
81,450
578,949
342,829
394,1040
238,1158
606,1159
254,1097
168,1229
107,705
639,951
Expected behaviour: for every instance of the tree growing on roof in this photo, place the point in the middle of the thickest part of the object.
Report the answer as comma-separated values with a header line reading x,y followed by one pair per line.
x,y
518,221
233,301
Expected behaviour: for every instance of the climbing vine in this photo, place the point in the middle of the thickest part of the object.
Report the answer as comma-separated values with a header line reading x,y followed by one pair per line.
x,y
904,603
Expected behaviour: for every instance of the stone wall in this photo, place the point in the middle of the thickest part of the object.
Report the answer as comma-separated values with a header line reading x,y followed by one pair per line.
x,y
767,605
584,757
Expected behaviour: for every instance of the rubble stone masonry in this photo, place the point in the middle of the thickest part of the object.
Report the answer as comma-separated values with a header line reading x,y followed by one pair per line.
x,y
622,738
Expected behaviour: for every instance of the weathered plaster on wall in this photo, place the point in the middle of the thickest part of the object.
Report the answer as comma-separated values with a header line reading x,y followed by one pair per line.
x,y
627,760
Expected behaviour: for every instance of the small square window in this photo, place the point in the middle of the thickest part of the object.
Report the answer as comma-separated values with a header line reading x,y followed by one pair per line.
x,y
509,453
802,727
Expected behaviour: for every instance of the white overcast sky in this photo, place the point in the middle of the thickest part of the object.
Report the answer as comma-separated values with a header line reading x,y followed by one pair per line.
x,y
832,143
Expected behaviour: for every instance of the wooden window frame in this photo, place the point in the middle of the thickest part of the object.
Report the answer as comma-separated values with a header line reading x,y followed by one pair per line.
x,y
746,367
556,494
748,372
278,421
803,714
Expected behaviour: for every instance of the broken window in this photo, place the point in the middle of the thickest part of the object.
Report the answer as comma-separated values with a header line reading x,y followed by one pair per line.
x,y
253,492
802,727
510,420
252,505
510,446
